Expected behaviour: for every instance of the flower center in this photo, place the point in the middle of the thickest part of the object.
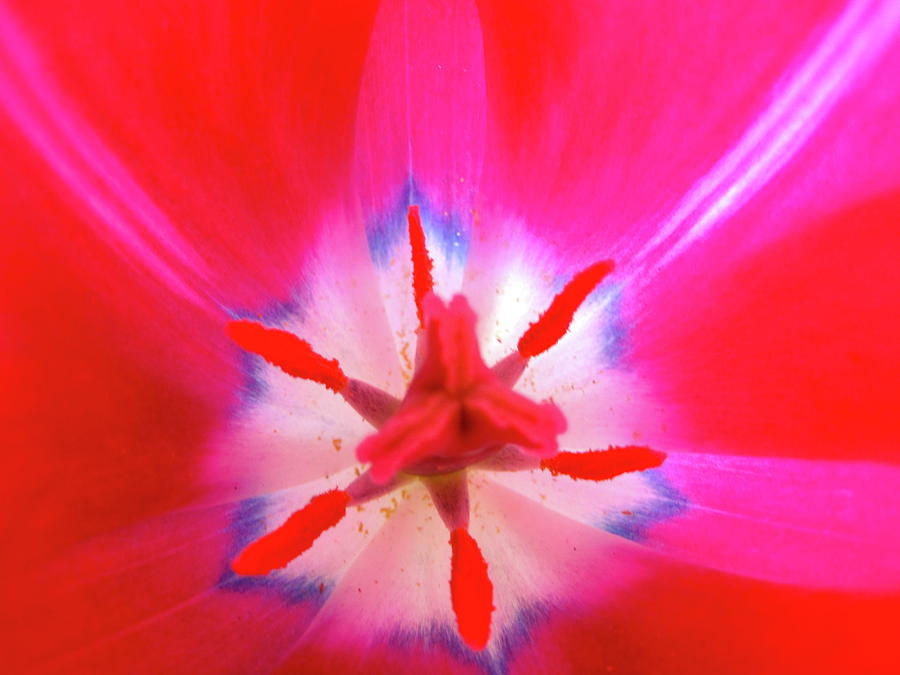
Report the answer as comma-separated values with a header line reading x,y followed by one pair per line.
x,y
457,412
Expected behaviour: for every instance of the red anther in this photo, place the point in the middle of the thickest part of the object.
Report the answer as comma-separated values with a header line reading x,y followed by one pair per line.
x,y
555,321
279,547
471,590
604,464
288,352
423,283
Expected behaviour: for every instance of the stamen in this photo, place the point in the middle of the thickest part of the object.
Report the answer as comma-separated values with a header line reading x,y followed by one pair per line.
x,y
279,547
364,489
450,495
374,405
603,464
423,283
553,323
471,590
509,369
288,352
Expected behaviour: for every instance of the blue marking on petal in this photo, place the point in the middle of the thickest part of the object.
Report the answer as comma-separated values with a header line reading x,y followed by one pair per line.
x,y
667,502
247,525
614,332
448,229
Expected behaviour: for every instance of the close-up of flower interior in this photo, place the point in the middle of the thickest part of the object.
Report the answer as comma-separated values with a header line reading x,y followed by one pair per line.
x,y
480,337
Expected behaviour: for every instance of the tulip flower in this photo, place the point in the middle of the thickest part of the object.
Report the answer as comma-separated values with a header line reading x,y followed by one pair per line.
x,y
450,336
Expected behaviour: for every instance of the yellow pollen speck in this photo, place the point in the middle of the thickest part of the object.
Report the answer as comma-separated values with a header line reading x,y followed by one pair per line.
x,y
336,442
388,511
407,362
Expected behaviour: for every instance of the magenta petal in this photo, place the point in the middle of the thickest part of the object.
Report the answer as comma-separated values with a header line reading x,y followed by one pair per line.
x,y
602,120
809,523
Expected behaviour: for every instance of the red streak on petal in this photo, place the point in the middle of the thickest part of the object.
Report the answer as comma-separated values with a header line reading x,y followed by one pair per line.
x,y
288,352
279,547
553,323
603,464
423,283
471,590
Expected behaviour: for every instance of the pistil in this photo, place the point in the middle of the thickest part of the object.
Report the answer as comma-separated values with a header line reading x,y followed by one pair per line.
x,y
457,413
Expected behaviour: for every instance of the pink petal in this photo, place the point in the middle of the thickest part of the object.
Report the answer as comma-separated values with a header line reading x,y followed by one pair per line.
x,y
421,122
823,524
419,140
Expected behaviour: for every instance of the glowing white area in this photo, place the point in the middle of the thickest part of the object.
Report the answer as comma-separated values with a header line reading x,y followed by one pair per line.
x,y
397,586
124,216
508,285
852,45
289,431
589,502
501,329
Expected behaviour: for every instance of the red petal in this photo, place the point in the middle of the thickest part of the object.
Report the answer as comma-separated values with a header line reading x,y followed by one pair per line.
x,y
689,620
791,350
243,152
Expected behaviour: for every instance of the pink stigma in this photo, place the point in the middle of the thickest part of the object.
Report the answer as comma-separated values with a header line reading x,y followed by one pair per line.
x,y
456,409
